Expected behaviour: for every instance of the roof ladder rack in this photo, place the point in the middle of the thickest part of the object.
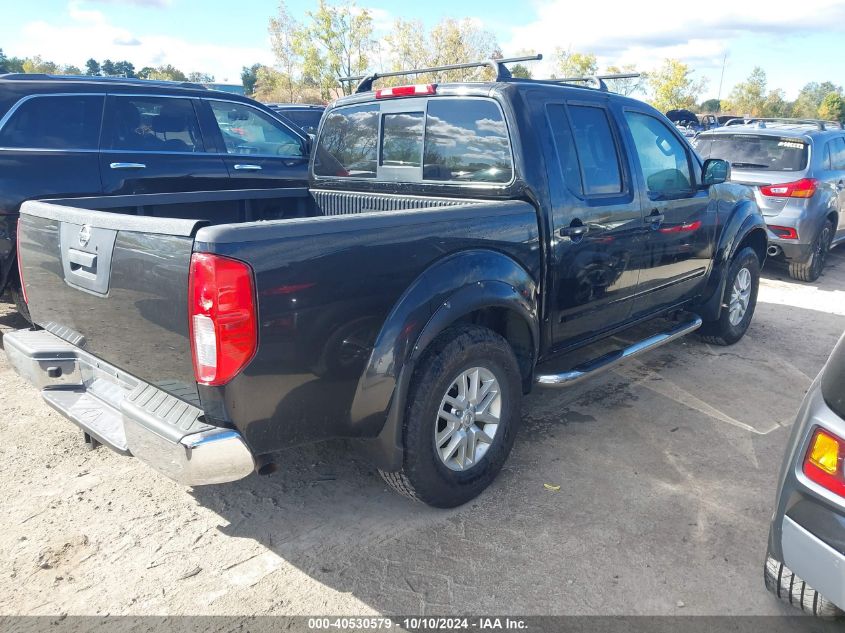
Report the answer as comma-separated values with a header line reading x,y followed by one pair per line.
x,y
365,82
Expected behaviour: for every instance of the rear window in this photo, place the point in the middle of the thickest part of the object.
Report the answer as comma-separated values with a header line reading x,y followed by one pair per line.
x,y
453,140
756,152
61,122
308,120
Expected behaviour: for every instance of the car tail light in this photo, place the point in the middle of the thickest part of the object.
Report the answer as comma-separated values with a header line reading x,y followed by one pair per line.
x,y
222,314
406,91
823,461
804,188
784,232
20,267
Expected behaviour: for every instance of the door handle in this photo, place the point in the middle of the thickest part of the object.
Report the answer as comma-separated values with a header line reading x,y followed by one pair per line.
x,y
655,218
241,167
128,166
575,232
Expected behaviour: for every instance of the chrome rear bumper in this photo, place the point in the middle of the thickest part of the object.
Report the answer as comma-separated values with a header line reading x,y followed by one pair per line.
x,y
127,414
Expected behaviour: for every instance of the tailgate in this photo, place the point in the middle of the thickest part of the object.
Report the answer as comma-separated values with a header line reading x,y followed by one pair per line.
x,y
115,285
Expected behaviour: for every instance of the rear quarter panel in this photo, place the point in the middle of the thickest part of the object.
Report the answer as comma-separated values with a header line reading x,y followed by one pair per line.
x,y
324,288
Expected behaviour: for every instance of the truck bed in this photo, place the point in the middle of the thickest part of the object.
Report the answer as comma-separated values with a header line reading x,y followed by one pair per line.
x,y
110,276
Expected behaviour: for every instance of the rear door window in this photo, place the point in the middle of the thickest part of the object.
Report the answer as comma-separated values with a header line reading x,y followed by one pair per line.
x,y
152,124
442,139
755,151
597,150
55,122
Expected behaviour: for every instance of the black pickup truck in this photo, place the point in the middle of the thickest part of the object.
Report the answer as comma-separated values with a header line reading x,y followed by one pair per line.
x,y
456,243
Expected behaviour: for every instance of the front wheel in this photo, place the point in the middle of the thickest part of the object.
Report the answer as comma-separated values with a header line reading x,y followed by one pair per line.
x,y
738,302
462,417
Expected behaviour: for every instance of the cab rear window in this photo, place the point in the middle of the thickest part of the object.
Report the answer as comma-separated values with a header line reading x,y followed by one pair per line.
x,y
754,152
442,139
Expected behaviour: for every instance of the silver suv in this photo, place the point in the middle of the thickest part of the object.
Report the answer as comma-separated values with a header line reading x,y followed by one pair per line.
x,y
805,564
796,168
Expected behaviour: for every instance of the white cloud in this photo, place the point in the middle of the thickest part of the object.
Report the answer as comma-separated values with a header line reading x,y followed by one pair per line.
x,y
88,33
648,31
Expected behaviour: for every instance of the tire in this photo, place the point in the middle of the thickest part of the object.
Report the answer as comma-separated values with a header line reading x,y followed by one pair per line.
x,y
792,589
724,331
427,474
811,269
20,304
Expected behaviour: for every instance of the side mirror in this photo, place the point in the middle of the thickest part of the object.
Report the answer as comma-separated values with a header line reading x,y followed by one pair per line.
x,y
715,172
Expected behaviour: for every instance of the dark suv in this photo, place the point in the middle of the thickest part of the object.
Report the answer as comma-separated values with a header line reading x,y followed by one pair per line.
x,y
86,136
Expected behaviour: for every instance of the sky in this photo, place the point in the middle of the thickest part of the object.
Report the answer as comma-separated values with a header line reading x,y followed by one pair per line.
x,y
794,42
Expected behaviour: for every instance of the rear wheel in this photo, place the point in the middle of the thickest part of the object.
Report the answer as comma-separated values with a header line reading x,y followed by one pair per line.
x,y
790,588
738,302
811,269
462,417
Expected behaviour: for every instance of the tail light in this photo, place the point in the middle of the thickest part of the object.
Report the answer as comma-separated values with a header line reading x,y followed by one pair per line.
x,y
804,188
406,91
20,266
784,232
823,461
222,313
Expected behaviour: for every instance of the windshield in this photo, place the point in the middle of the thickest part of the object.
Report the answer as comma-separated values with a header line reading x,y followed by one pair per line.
x,y
758,152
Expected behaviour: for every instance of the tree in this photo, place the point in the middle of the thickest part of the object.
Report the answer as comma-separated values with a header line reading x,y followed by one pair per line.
x,y
92,67
124,69
449,42
249,76
71,70
776,104
283,38
832,107
107,69
711,106
673,86
521,71
629,86
38,65
336,42
200,78
749,97
10,64
569,64
164,73
145,72
811,97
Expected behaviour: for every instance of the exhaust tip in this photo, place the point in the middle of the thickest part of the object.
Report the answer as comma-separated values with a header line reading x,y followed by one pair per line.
x,y
773,250
264,465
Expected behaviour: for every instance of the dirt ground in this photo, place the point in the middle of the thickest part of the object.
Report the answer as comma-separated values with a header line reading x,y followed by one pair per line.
x,y
667,470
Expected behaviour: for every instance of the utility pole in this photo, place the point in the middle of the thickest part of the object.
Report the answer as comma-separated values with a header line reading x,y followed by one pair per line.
x,y
721,79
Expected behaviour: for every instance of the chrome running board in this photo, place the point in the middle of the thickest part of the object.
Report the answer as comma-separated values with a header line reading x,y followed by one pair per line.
x,y
611,359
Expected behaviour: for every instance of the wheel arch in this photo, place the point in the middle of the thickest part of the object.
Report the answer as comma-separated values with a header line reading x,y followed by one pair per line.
x,y
744,226
478,286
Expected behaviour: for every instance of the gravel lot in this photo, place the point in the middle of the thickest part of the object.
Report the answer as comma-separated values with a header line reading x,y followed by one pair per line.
x,y
667,470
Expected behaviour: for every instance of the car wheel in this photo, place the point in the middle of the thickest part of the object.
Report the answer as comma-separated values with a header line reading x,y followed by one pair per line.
x,y
738,302
790,588
811,269
462,416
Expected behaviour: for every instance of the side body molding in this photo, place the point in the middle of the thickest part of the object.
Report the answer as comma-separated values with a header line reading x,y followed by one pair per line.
x,y
447,291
